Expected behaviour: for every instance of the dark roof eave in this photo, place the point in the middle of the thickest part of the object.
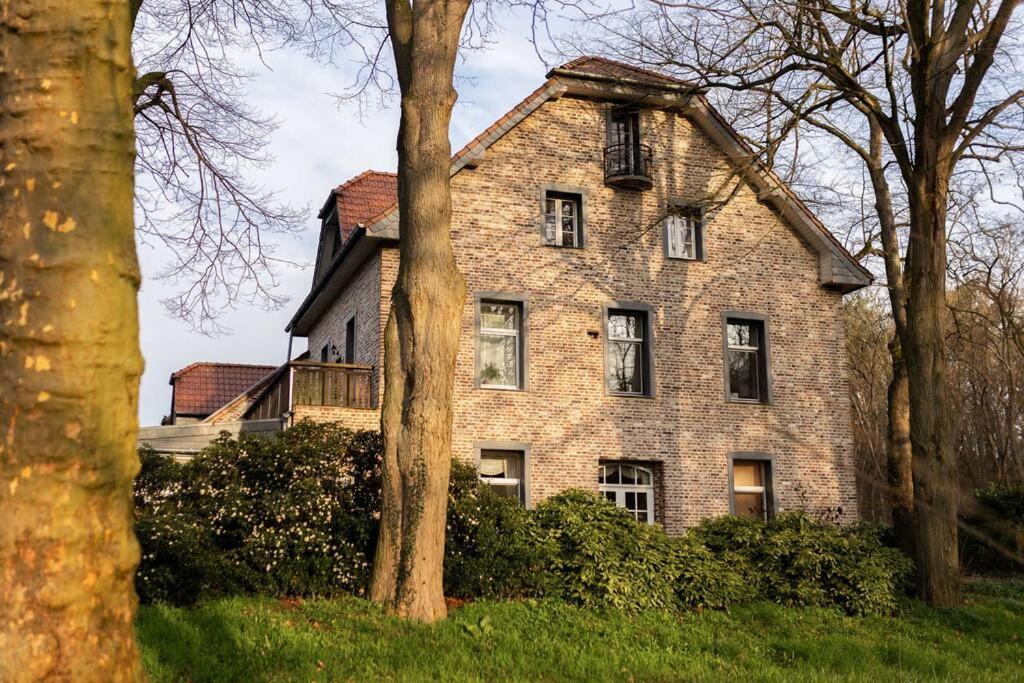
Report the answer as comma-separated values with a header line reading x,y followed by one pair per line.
x,y
358,236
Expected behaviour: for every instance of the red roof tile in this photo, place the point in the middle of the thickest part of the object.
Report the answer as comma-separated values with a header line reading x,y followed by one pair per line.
x,y
202,388
363,197
599,66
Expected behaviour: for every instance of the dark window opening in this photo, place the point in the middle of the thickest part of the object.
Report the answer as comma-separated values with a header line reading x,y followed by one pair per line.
x,y
628,352
350,340
746,360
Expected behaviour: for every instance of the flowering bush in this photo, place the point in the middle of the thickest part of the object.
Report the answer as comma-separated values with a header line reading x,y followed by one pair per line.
x,y
288,515
297,514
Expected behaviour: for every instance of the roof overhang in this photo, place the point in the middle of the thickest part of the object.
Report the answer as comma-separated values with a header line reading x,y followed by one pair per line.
x,y
356,250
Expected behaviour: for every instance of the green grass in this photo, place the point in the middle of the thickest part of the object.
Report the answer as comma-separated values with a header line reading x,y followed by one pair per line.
x,y
247,639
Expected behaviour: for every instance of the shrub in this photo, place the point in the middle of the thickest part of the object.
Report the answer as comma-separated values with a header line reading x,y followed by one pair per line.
x,y
603,557
298,513
278,515
493,547
795,560
706,580
998,518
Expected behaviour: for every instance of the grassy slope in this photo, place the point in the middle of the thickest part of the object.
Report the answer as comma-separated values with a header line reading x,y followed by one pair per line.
x,y
349,639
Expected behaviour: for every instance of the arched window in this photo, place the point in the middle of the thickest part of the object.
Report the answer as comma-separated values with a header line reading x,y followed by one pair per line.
x,y
629,486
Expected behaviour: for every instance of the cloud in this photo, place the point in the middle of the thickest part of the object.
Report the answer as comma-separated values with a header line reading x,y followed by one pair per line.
x,y
317,147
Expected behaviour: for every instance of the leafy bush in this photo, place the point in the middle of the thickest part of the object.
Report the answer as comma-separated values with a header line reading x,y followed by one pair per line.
x,y
279,515
998,518
605,558
795,560
298,513
493,546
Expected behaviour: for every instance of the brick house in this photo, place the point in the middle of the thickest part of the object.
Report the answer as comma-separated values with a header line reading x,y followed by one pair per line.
x,y
650,313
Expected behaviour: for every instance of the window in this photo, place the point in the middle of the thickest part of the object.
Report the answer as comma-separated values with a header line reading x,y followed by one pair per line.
x,y
504,471
684,234
751,489
350,340
624,128
630,487
500,345
562,219
323,353
746,360
628,352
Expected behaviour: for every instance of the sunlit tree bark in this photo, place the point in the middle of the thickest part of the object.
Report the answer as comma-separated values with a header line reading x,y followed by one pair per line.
x,y
69,342
422,333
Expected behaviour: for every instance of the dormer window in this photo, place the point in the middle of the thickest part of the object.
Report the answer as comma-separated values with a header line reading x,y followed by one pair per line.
x,y
627,162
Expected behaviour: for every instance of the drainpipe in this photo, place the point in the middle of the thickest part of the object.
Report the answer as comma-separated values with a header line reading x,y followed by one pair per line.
x,y
286,415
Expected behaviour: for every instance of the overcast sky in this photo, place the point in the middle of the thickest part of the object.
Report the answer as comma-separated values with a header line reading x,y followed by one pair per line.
x,y
316,148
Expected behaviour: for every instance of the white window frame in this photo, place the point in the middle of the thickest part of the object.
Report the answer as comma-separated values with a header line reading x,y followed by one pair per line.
x,y
559,200
502,332
682,234
518,482
620,490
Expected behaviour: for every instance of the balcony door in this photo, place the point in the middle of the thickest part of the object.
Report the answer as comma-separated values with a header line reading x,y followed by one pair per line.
x,y
624,138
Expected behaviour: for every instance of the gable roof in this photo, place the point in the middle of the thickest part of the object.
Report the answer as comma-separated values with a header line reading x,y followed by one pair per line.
x,y
201,388
602,67
601,78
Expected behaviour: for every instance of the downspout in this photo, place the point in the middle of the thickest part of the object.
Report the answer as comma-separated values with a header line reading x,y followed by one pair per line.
x,y
286,415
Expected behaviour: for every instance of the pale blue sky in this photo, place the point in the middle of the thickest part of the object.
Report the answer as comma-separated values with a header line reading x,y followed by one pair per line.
x,y
317,147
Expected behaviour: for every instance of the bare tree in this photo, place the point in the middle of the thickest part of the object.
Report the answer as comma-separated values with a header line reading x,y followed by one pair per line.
x,y
198,138
918,92
69,349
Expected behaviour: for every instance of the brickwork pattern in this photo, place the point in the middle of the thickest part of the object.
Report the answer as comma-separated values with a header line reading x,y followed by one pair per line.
x,y
754,263
361,297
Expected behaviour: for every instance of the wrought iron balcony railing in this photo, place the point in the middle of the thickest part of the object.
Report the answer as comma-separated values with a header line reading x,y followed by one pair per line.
x,y
628,166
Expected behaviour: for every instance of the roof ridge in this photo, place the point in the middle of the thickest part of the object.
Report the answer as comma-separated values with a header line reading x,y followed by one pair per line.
x,y
574,63
224,364
368,172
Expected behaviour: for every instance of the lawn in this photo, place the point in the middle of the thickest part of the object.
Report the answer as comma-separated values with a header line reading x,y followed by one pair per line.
x,y
248,639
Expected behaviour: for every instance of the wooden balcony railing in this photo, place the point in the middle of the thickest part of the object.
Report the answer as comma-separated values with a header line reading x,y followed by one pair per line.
x,y
308,383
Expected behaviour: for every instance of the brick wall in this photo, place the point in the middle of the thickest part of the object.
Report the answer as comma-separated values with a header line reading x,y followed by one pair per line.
x,y
754,263
361,297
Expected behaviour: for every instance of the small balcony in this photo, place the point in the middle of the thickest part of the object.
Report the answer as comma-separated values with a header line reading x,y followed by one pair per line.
x,y
308,383
628,166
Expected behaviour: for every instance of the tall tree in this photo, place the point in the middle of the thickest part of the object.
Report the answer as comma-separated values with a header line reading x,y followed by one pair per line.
x,y
422,334
69,342
924,88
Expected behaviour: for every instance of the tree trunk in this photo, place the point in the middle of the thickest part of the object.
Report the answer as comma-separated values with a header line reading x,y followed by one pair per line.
x,y
422,335
936,490
69,344
899,454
